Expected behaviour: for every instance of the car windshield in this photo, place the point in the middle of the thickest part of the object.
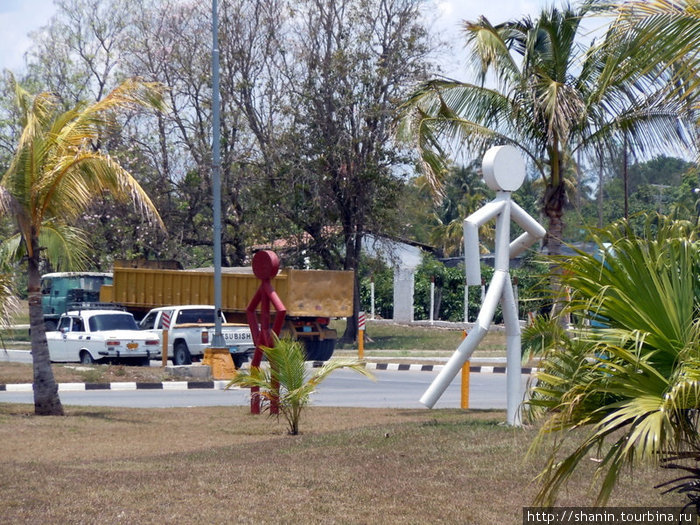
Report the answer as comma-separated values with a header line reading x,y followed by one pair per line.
x,y
112,322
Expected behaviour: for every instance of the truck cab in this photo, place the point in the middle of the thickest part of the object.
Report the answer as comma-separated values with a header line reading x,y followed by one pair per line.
x,y
61,291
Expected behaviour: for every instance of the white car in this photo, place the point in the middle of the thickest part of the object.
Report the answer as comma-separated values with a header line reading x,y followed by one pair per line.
x,y
87,336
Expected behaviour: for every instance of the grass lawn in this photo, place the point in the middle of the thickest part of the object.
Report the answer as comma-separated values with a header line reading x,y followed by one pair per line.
x,y
393,340
222,465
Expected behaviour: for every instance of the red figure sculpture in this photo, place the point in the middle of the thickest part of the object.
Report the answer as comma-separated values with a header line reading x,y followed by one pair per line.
x,y
266,264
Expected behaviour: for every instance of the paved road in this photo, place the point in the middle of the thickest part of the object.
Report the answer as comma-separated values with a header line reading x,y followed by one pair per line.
x,y
393,389
15,356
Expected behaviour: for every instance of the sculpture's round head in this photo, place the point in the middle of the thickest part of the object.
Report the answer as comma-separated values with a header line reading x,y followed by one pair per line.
x,y
266,264
503,168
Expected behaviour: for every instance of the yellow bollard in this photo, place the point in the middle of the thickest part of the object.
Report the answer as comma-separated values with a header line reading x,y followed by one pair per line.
x,y
464,403
221,363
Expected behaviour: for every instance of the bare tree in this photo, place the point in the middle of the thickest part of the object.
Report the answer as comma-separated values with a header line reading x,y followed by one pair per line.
x,y
76,54
308,92
351,62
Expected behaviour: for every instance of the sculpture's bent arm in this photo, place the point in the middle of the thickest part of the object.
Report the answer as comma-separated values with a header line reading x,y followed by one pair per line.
x,y
534,231
471,238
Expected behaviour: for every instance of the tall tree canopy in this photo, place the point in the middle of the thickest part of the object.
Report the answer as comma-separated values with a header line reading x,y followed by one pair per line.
x,y
538,89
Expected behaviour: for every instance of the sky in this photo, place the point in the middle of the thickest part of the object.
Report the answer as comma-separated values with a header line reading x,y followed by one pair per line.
x,y
19,17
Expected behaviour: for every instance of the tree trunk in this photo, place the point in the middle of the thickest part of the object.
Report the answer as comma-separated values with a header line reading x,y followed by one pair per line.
x,y
351,329
554,201
46,400
353,246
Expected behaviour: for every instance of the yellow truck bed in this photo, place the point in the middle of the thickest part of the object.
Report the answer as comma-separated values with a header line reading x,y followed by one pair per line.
x,y
305,293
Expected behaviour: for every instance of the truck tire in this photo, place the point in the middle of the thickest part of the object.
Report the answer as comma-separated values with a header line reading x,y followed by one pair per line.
x,y
50,326
327,348
86,358
181,354
314,351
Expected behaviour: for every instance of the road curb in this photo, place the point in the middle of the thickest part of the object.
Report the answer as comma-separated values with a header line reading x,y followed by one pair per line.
x,y
122,386
437,368
221,385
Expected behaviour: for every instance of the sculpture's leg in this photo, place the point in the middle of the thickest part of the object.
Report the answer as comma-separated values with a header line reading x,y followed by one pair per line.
x,y
514,393
466,348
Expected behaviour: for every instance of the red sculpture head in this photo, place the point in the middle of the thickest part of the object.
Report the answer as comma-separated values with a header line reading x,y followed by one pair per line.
x,y
266,264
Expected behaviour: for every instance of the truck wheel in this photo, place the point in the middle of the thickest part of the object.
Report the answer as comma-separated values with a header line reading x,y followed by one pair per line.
x,y
86,358
313,350
181,354
50,326
328,347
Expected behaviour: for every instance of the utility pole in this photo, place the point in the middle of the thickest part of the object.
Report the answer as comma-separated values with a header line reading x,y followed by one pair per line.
x,y
218,339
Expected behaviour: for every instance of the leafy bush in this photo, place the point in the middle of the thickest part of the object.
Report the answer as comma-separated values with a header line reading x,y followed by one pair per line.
x,y
383,292
449,290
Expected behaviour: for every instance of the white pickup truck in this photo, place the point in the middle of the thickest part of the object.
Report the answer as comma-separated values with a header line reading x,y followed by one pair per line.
x,y
87,336
191,330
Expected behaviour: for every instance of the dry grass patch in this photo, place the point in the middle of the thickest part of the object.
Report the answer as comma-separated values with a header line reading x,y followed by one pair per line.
x,y
76,373
208,465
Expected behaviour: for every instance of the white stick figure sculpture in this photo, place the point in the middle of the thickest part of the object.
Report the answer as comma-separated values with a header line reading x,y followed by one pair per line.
x,y
503,171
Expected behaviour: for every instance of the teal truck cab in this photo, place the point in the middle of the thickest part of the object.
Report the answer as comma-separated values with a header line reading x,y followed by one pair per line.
x,y
64,291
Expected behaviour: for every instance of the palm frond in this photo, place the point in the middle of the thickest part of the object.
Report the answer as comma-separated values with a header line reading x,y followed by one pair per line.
x,y
56,171
553,96
9,304
635,371
287,381
12,249
66,246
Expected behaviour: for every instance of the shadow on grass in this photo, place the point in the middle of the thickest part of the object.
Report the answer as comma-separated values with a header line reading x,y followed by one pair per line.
x,y
17,410
107,416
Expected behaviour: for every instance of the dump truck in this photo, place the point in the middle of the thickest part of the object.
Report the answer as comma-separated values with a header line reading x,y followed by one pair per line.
x,y
311,297
63,291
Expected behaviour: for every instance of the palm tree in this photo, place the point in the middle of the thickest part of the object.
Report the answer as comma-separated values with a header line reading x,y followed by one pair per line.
x,y
551,97
54,175
673,29
287,381
629,383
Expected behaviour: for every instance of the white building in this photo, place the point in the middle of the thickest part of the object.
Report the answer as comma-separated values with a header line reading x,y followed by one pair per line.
x,y
404,258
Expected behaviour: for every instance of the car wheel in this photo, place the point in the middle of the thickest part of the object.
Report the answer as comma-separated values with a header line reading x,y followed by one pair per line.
x,y
181,354
86,358
142,361
239,360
